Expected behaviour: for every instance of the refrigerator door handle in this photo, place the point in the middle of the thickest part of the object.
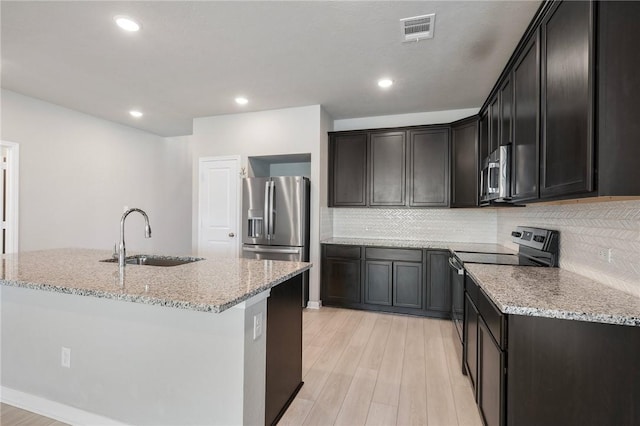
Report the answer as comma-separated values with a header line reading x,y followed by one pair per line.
x,y
271,250
272,211
266,215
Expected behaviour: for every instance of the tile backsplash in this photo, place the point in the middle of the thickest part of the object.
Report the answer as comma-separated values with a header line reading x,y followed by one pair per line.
x,y
468,225
587,232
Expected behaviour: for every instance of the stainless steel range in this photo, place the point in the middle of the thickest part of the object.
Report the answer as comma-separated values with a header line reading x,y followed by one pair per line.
x,y
536,247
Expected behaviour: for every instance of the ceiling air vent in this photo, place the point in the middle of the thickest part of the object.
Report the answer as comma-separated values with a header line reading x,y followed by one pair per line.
x,y
418,27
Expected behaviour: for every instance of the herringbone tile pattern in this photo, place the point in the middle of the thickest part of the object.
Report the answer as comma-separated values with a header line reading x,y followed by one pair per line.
x,y
585,229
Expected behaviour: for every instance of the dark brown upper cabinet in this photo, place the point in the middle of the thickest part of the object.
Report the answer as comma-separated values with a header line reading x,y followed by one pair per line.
x,y
484,137
428,160
347,170
506,112
465,162
399,167
387,174
618,99
526,89
567,162
494,124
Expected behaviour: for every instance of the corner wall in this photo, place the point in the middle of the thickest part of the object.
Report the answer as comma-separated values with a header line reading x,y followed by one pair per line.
x,y
77,172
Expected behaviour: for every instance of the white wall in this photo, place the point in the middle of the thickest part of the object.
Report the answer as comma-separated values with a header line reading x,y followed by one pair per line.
x,y
399,120
77,172
284,131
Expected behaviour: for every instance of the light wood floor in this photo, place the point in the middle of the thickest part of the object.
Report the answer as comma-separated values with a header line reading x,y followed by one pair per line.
x,y
365,368
13,416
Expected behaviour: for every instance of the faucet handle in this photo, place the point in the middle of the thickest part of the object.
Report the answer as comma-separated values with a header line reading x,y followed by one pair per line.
x,y
115,251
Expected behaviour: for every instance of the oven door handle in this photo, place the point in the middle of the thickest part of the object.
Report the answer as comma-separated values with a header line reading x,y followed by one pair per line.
x,y
454,264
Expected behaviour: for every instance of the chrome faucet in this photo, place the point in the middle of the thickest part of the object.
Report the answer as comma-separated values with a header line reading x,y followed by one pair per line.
x,y
122,252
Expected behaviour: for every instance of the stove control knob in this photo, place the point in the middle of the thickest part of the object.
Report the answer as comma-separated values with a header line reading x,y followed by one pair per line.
x,y
516,234
539,238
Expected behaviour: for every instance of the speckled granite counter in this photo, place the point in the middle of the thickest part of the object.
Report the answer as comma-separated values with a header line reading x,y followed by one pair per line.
x,y
554,293
210,285
455,246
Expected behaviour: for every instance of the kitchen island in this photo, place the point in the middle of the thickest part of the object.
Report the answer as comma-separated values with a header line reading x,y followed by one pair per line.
x,y
148,345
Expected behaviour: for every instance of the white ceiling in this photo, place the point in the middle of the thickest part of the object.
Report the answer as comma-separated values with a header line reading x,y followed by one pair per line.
x,y
191,59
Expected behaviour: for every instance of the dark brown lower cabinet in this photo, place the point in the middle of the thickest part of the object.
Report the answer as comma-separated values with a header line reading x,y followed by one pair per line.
x,y
490,377
438,287
531,371
378,285
407,284
471,343
402,280
341,275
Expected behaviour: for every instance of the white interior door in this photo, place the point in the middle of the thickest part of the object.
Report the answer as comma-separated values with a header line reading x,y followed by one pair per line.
x,y
218,230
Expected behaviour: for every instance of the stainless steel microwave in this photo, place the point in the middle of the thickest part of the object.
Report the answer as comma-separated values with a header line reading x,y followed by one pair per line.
x,y
495,179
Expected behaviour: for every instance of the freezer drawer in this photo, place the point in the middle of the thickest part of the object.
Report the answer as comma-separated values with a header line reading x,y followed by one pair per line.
x,y
292,254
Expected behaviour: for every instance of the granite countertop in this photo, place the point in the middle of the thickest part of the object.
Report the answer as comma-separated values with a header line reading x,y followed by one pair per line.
x,y
444,245
210,285
554,293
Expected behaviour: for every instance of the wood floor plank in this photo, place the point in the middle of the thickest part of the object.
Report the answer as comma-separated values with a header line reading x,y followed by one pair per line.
x,y
381,415
318,374
441,408
387,389
412,407
357,401
374,351
296,413
328,403
466,408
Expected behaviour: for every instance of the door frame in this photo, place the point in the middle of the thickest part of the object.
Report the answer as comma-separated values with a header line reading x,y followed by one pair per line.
x,y
238,160
12,196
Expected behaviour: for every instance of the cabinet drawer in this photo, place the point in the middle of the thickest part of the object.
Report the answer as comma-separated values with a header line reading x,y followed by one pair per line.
x,y
393,254
492,316
346,252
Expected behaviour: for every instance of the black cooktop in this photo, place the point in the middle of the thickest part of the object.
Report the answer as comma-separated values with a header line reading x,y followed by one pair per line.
x,y
497,259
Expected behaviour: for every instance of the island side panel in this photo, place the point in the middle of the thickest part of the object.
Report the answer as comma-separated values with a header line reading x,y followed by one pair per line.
x,y
134,363
284,347
566,372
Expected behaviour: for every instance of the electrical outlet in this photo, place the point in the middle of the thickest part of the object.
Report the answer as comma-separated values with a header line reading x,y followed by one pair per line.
x,y
65,357
604,254
257,326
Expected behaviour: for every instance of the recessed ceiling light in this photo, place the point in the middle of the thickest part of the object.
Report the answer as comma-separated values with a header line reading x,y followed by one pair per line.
x,y
241,100
136,114
127,23
385,82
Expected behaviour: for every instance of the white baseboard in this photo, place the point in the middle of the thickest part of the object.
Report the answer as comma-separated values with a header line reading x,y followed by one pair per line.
x,y
55,410
314,304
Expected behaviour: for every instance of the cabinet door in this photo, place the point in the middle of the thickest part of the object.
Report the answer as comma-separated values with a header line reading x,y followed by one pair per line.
x,y
506,112
428,178
407,284
465,172
348,170
378,282
471,342
567,101
494,124
526,85
387,177
341,281
484,138
438,288
490,378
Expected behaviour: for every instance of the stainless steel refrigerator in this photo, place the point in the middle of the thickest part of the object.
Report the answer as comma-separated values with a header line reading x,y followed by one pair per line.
x,y
275,220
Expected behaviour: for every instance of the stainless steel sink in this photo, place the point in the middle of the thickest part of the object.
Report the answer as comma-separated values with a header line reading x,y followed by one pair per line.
x,y
151,260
